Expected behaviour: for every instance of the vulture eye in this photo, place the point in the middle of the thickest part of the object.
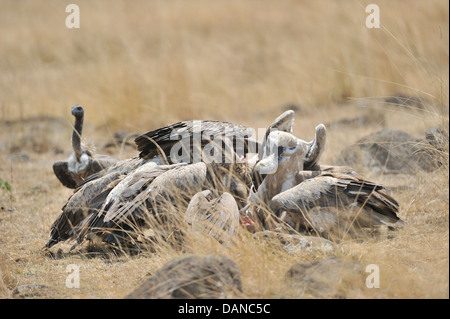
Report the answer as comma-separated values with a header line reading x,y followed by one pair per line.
x,y
280,151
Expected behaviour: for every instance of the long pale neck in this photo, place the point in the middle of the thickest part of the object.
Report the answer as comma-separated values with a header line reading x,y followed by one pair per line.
x,y
76,136
282,180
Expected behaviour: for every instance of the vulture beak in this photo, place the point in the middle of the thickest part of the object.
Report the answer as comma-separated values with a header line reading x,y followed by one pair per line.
x,y
280,145
267,165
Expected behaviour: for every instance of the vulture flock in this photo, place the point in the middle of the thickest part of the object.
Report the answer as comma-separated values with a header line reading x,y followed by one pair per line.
x,y
212,177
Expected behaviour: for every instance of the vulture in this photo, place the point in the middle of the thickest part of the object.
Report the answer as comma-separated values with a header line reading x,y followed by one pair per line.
x,y
86,200
333,203
144,198
285,155
285,123
149,190
112,205
82,163
327,199
118,203
214,215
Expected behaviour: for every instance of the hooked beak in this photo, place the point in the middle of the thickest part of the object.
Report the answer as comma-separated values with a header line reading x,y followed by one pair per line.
x,y
268,165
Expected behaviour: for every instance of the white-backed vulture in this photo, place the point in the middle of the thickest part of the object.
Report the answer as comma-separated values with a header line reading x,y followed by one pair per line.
x,y
86,200
81,163
117,201
148,191
320,199
284,157
333,202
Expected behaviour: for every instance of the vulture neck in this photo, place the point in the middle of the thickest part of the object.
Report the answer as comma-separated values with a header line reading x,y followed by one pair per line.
x,y
76,137
283,179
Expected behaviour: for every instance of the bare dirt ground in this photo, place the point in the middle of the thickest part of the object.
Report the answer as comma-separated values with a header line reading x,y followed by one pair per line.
x,y
149,64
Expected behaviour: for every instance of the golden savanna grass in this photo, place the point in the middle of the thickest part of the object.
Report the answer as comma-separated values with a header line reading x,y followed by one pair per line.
x,y
140,65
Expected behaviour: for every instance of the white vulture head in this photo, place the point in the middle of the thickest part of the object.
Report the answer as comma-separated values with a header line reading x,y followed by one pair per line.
x,y
284,156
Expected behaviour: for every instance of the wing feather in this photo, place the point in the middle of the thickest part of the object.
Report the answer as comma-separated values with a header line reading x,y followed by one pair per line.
x,y
161,140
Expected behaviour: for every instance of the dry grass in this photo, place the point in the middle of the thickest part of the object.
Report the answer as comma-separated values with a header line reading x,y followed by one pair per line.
x,y
146,64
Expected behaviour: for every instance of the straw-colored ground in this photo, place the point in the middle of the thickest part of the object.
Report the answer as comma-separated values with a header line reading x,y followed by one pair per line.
x,y
141,65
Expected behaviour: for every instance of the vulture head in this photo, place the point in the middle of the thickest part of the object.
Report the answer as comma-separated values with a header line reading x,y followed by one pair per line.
x,y
284,156
285,151
77,111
